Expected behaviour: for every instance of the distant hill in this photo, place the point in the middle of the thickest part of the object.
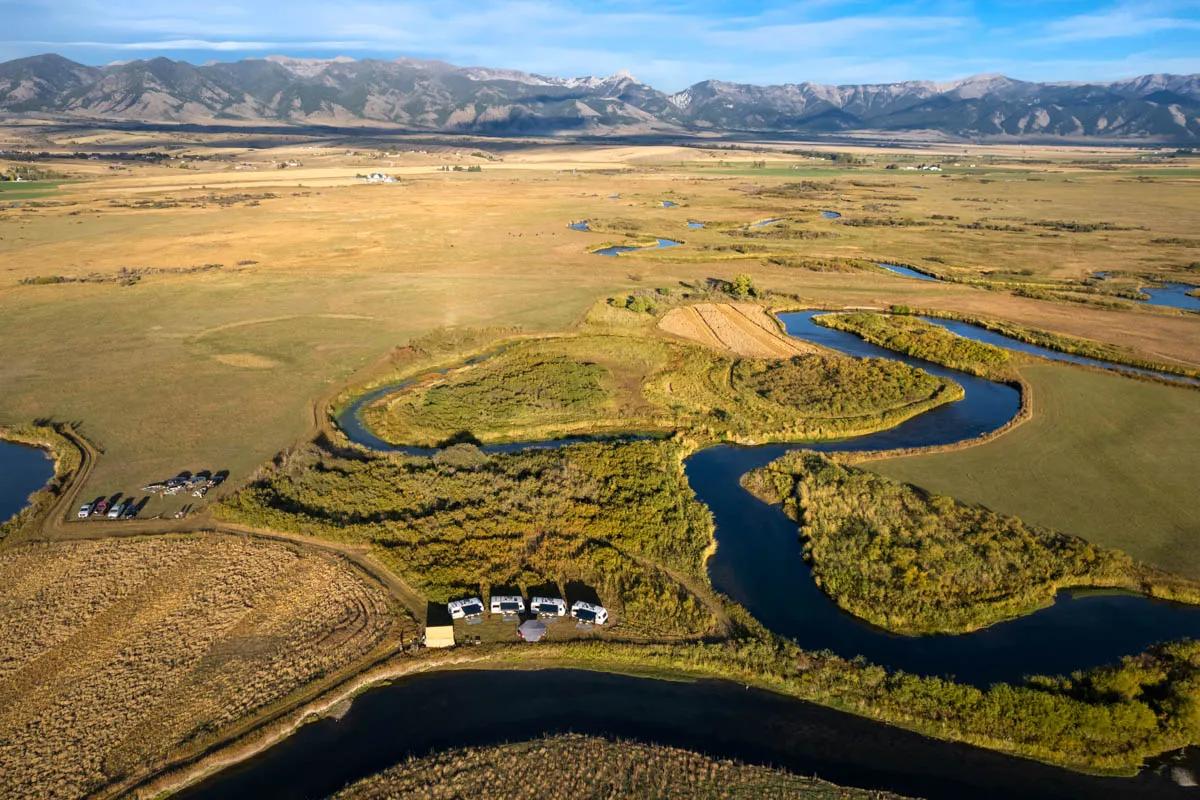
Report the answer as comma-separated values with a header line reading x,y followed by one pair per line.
x,y
432,95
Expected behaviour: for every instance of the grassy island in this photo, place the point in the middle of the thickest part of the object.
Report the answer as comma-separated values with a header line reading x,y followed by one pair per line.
x,y
543,388
918,563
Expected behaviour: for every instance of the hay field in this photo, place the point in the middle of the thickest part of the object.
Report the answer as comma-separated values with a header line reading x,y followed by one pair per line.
x,y
740,328
320,275
589,768
117,653
1107,458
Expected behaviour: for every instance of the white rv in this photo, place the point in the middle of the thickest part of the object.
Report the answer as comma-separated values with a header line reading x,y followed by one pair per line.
x,y
586,612
508,604
548,606
467,607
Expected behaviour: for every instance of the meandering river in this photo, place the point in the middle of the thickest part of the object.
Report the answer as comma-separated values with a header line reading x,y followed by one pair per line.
x,y
758,563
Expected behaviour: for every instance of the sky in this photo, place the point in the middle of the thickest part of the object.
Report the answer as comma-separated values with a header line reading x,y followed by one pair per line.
x,y
670,44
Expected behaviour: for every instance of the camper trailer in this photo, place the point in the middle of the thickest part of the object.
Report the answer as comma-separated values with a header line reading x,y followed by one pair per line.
x,y
465,608
548,606
508,604
586,612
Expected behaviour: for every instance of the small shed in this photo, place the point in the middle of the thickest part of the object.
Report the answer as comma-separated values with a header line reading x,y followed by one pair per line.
x,y
531,630
439,636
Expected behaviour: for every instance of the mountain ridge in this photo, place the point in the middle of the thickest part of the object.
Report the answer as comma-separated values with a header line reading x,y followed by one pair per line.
x,y
437,96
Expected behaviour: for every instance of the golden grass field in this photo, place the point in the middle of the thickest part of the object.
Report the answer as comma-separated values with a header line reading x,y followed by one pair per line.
x,y
118,652
1108,458
321,275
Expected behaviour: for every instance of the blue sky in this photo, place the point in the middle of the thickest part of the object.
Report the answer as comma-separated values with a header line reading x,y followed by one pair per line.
x,y
669,44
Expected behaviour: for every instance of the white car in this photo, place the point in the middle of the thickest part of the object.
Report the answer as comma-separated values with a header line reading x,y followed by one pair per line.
x,y
467,607
548,606
85,510
508,604
586,612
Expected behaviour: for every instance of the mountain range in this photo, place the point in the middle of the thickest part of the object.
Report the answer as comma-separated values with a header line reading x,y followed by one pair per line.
x,y
433,95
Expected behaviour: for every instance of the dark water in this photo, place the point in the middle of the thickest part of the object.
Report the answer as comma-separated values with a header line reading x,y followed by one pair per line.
x,y
969,331
669,204
831,215
617,249
582,225
759,563
23,470
906,272
694,225
430,713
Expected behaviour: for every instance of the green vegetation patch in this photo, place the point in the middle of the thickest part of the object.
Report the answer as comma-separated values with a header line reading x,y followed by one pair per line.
x,y
528,389
1104,457
919,339
618,518
830,386
918,563
590,768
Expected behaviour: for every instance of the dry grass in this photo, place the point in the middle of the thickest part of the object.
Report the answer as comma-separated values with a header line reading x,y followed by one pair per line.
x,y
588,768
451,250
741,328
117,652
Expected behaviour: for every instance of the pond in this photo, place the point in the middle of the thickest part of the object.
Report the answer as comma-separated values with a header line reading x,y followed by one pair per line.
x,y
23,470
831,215
435,712
1173,295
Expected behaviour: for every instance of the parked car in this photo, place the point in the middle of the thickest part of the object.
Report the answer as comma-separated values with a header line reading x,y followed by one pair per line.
x,y
85,510
129,510
101,506
115,511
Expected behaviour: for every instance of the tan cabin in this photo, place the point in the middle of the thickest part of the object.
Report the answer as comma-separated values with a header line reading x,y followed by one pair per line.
x,y
439,636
